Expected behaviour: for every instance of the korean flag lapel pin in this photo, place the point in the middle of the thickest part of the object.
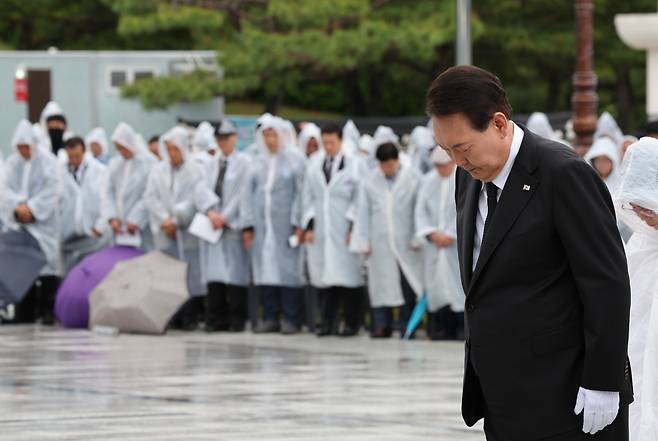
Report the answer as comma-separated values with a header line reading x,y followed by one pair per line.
x,y
526,187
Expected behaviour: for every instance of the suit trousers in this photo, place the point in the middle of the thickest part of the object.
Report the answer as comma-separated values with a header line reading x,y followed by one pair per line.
x,y
617,431
335,297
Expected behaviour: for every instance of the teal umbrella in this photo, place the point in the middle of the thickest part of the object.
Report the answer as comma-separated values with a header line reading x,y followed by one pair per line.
x,y
416,316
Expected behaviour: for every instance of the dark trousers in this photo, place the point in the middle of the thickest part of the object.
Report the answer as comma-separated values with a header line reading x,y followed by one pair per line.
x,y
445,324
382,318
277,299
617,431
226,306
39,302
335,297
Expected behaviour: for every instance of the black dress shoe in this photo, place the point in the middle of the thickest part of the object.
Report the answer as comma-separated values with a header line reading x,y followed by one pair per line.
x,y
381,333
210,328
349,332
324,331
235,328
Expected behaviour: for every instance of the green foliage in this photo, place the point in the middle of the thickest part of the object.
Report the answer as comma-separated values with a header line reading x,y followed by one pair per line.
x,y
358,57
161,92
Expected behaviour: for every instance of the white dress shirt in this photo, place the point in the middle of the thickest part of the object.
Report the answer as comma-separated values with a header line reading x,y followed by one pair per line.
x,y
499,181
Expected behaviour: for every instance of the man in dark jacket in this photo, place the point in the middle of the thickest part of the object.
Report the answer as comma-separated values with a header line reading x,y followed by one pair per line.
x,y
544,272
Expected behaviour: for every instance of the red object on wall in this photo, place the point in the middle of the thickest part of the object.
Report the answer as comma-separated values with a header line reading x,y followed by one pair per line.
x,y
20,90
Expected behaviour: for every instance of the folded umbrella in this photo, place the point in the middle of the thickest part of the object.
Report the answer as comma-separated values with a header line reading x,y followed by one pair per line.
x,y
416,316
21,262
140,295
72,303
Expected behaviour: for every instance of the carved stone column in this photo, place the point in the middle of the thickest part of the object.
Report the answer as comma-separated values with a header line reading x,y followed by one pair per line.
x,y
584,101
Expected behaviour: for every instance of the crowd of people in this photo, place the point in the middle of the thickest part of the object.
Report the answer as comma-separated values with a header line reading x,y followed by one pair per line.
x,y
367,222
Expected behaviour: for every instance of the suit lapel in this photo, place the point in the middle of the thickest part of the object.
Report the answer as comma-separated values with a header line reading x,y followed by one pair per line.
x,y
519,188
468,228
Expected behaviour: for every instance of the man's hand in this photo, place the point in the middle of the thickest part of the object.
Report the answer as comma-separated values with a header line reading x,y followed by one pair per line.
x,y
441,240
96,233
217,220
309,237
648,216
24,214
116,225
248,239
300,235
169,228
132,229
599,409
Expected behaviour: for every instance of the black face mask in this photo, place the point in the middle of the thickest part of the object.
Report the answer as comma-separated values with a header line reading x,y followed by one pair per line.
x,y
56,139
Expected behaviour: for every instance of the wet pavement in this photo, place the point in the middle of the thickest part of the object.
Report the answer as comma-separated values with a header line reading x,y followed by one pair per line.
x,y
59,384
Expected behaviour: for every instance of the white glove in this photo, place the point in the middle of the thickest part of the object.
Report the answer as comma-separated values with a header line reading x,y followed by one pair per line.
x,y
600,408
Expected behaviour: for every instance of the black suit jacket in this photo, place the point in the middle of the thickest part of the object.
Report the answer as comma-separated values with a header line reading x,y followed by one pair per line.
x,y
547,306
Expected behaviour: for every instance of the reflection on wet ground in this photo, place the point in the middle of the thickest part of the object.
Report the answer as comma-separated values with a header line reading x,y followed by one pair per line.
x,y
74,385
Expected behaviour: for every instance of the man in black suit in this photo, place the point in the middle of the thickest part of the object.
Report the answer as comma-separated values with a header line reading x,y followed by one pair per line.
x,y
544,272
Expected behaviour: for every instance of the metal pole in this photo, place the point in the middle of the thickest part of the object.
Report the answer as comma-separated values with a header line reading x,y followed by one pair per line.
x,y
464,32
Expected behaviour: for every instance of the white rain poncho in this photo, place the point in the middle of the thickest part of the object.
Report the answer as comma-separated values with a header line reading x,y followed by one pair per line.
x,y
384,134
255,148
638,185
272,206
52,109
384,225
98,136
422,144
80,210
170,194
204,142
35,182
351,132
332,208
227,261
310,131
367,149
604,146
608,127
436,212
539,124
126,182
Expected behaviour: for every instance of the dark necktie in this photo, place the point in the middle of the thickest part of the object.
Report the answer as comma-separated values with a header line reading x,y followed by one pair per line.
x,y
219,186
328,165
492,201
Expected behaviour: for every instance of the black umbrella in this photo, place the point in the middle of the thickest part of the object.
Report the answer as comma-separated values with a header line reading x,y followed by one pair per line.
x,y
21,261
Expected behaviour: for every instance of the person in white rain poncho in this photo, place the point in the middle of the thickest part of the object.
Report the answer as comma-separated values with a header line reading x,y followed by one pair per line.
x,y
204,142
29,202
367,149
436,223
169,200
122,203
422,142
226,263
351,137
97,145
604,156
256,148
384,231
607,127
636,200
54,131
539,124
310,139
83,229
329,199
271,208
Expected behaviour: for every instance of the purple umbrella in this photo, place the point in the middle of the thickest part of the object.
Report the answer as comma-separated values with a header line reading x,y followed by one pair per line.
x,y
72,303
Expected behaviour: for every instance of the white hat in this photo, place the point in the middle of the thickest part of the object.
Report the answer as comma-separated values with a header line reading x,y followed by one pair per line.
x,y
440,157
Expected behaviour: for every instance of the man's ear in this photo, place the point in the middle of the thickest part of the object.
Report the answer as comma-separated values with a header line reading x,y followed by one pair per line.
x,y
500,123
